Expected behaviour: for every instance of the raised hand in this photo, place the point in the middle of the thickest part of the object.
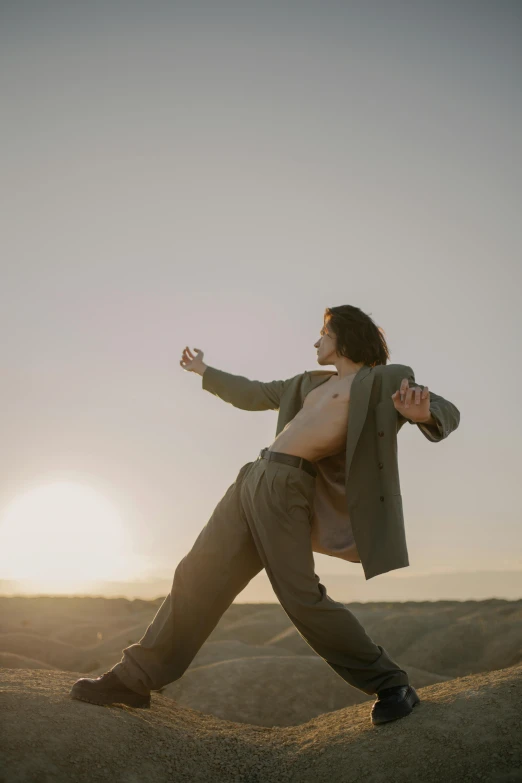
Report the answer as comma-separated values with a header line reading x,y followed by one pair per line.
x,y
412,402
191,362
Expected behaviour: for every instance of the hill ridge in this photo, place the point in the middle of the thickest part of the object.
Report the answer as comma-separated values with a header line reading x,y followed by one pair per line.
x,y
464,729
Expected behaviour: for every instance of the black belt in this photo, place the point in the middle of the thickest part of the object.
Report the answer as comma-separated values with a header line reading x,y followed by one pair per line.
x,y
289,459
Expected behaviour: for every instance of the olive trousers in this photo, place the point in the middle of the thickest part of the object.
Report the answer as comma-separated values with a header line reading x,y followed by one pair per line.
x,y
262,521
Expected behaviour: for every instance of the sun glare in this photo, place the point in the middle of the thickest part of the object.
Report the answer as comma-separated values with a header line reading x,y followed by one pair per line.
x,y
61,536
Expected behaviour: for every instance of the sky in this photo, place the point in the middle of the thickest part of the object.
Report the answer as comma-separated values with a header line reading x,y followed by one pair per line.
x,y
216,175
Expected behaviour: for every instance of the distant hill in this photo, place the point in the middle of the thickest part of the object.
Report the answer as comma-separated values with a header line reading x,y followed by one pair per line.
x,y
457,586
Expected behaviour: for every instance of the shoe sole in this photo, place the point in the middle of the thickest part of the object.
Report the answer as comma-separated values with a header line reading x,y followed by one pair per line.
x,y
402,711
128,700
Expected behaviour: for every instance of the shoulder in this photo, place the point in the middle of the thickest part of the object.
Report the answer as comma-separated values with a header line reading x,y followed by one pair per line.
x,y
309,379
393,369
296,380
393,374
315,377
318,372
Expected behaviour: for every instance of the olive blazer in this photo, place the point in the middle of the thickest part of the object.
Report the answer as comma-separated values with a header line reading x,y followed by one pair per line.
x,y
373,492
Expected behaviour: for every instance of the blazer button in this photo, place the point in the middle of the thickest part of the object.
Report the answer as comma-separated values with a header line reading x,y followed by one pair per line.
x,y
382,497
380,433
381,466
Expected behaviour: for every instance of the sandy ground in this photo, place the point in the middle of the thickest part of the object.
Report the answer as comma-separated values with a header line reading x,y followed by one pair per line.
x,y
257,704
467,729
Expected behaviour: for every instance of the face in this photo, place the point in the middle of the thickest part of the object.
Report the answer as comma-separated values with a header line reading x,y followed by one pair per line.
x,y
326,346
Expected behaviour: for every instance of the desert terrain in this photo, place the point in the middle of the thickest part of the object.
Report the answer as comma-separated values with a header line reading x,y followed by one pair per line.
x,y
257,704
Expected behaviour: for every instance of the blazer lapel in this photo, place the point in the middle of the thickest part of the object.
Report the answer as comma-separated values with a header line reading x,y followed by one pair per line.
x,y
359,401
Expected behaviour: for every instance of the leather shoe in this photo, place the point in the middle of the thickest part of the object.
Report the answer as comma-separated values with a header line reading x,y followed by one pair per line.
x,y
393,703
107,689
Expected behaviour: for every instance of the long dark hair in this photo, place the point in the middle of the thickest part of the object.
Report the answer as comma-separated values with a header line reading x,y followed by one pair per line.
x,y
358,337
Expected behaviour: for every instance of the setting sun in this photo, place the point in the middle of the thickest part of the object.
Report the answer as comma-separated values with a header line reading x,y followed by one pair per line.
x,y
61,536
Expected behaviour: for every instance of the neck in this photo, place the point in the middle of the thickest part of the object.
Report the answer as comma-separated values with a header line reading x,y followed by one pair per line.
x,y
348,372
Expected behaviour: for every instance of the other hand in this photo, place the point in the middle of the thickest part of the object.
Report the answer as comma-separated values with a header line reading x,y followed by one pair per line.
x,y
412,402
191,362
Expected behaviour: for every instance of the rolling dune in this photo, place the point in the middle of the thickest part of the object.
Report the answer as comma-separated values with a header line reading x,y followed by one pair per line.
x,y
464,730
255,667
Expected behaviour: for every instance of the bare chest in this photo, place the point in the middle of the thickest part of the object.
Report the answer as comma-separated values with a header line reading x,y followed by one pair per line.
x,y
331,395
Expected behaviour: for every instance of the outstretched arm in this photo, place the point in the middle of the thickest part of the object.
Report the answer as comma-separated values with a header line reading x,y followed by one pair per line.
x,y
242,392
235,389
435,416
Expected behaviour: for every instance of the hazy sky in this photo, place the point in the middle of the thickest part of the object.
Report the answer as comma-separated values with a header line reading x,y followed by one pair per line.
x,y
216,175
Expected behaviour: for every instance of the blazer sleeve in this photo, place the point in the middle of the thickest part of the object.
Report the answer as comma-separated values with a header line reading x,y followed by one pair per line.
x,y
242,392
445,413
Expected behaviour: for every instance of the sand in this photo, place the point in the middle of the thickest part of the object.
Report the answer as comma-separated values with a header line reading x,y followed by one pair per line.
x,y
257,704
467,729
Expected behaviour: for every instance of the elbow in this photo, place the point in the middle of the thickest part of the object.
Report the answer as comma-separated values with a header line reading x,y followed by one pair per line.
x,y
457,416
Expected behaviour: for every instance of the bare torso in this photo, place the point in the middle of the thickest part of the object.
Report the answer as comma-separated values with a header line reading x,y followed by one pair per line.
x,y
319,429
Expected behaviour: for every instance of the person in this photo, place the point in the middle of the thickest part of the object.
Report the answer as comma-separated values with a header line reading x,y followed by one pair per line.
x,y
328,482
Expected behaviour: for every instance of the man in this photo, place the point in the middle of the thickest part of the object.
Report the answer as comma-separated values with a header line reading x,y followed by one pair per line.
x,y
329,482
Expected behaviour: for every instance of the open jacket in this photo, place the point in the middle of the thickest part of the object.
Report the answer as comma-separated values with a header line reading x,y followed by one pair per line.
x,y
371,519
